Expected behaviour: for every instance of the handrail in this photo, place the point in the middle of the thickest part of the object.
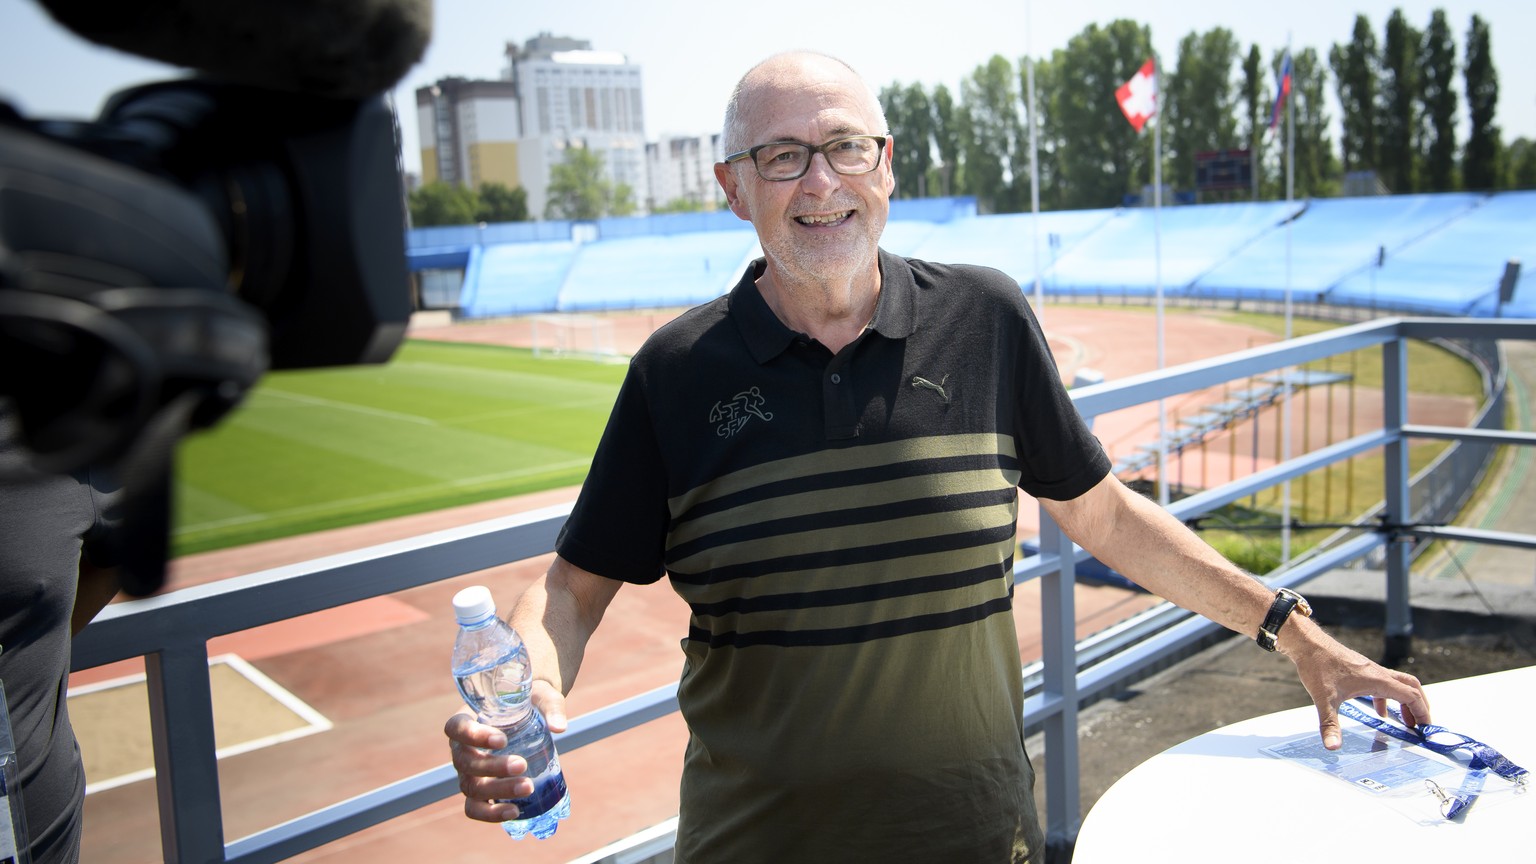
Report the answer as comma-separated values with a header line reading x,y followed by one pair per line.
x,y
171,631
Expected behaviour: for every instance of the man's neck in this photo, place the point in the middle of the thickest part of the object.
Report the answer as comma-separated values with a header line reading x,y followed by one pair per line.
x,y
833,312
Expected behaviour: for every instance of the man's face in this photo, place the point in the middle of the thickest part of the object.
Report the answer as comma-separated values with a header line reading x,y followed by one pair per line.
x,y
824,225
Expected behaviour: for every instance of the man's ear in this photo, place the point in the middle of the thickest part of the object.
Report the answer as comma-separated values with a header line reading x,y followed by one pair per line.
x,y
725,175
890,170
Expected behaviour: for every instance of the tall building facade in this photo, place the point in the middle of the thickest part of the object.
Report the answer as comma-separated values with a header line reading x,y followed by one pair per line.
x,y
556,93
682,169
572,96
469,132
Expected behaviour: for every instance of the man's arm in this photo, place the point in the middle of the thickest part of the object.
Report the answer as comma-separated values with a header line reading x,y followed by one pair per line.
x,y
556,617
94,589
1147,544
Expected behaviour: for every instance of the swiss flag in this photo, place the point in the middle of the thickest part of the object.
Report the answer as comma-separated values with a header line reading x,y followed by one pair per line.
x,y
1138,96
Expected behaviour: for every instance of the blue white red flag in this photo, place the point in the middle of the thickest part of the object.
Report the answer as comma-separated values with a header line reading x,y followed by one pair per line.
x,y
1281,92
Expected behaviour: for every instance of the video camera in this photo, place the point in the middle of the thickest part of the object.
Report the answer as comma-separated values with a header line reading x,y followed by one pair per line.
x,y
156,262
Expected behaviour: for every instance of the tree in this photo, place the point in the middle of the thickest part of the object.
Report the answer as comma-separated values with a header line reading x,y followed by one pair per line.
x,y
946,139
1355,69
910,119
1480,162
1047,146
682,205
1253,96
442,203
1101,158
1520,165
1400,119
501,204
621,202
579,188
1198,109
1315,164
1437,72
990,105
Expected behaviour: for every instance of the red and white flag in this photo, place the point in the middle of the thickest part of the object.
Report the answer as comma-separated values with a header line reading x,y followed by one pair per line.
x,y
1138,96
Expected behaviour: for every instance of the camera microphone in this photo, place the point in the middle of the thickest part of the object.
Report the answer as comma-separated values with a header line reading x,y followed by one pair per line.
x,y
334,48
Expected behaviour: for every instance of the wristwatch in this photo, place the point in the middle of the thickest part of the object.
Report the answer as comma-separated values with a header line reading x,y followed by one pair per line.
x,y
1286,602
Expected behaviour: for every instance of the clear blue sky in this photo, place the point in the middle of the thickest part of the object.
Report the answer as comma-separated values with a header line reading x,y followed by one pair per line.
x,y
692,53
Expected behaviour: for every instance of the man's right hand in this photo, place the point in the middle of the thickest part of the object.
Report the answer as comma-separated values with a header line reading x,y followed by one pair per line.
x,y
486,778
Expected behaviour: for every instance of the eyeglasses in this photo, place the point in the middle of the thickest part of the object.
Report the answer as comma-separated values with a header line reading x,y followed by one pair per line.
x,y
789,160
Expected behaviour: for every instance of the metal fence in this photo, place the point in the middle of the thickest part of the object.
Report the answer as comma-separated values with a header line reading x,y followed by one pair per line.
x,y
171,631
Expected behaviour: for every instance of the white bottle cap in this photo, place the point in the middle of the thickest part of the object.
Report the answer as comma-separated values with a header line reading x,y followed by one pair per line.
x,y
473,603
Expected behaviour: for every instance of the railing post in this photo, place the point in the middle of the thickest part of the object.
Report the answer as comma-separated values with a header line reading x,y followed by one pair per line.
x,y
1058,631
186,764
1399,625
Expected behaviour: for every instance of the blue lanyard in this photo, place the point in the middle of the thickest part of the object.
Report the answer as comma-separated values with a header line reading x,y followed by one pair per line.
x,y
1483,757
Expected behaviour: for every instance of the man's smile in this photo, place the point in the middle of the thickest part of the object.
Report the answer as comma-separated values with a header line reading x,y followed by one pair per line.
x,y
824,218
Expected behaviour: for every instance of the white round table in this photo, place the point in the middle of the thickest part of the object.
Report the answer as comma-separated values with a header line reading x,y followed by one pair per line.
x,y
1220,798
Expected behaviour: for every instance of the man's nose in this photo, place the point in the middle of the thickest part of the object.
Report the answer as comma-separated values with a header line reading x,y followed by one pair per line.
x,y
820,176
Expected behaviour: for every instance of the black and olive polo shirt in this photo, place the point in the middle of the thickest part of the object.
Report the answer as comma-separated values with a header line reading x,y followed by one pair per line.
x,y
842,528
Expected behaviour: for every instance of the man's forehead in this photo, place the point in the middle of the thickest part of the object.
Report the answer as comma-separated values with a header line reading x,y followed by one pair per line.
x,y
783,111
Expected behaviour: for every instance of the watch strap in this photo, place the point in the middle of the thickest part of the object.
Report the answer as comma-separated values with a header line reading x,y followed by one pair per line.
x,y
1286,601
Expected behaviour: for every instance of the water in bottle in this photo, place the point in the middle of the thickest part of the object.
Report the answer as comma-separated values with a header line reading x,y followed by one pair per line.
x,y
490,667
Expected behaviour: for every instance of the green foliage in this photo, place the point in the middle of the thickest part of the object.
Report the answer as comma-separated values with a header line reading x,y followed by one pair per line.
x,y
909,110
451,204
1199,102
1520,165
443,204
1355,68
1101,158
579,188
1480,161
946,140
989,103
1437,74
683,205
1316,166
1398,112
500,204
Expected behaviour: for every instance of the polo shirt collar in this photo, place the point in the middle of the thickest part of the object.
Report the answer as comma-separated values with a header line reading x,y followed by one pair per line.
x,y
767,337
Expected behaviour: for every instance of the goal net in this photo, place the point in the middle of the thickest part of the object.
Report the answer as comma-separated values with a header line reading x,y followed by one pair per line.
x,y
586,336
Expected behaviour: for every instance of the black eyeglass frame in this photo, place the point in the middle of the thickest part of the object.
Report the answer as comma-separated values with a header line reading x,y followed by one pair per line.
x,y
751,153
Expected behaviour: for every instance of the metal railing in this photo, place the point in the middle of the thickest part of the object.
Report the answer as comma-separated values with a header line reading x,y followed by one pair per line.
x,y
171,631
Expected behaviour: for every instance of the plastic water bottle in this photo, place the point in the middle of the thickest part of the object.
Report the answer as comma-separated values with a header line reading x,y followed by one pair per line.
x,y
490,667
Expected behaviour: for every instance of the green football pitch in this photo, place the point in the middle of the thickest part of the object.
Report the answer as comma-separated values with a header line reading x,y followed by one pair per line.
x,y
439,425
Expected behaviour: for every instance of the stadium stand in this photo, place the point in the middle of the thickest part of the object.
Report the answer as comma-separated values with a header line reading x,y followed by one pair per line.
x,y
515,278
1417,254
1329,239
1115,258
1008,241
1455,267
656,271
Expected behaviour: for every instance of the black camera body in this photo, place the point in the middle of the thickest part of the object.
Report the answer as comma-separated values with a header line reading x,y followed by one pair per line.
x,y
156,262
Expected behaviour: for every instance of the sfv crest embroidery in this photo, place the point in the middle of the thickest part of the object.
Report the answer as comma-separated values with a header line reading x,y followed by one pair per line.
x,y
733,415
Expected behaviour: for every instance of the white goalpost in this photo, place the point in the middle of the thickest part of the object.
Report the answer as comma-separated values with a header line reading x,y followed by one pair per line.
x,y
560,335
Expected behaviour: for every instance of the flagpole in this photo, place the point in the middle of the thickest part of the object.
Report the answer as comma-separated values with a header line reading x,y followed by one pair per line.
x,y
1157,269
1034,163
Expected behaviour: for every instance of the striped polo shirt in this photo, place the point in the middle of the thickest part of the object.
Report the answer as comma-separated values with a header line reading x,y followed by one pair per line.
x,y
842,528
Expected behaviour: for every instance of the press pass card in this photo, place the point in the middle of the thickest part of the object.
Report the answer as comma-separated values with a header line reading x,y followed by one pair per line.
x,y
13,823
1411,781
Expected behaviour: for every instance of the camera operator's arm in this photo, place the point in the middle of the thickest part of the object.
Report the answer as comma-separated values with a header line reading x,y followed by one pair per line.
x,y
95,589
